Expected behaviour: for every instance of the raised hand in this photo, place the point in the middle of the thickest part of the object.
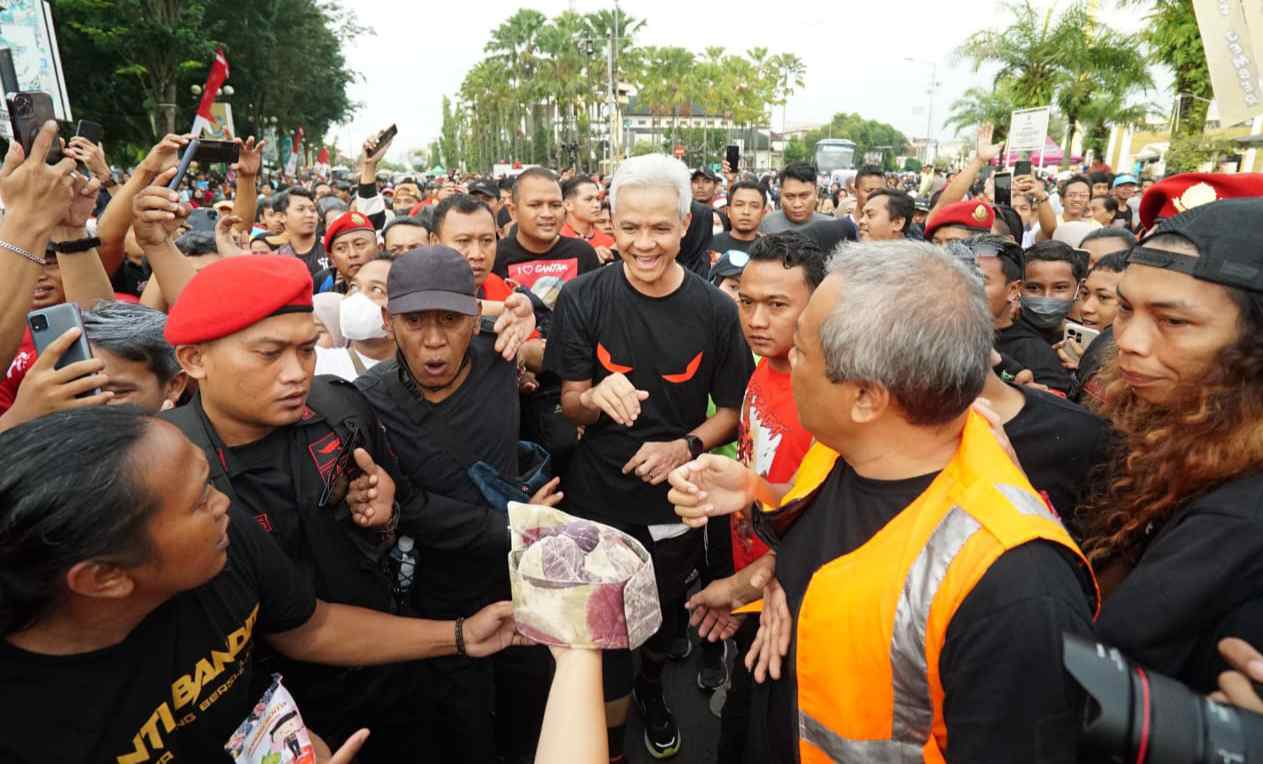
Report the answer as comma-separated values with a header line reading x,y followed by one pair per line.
x,y
251,159
987,151
515,325
35,192
157,212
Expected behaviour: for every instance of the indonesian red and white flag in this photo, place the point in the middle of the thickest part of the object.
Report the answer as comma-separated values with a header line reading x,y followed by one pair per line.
x,y
214,81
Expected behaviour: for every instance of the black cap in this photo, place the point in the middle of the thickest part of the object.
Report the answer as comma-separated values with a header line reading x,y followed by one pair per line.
x,y
486,188
708,173
431,278
1226,234
731,264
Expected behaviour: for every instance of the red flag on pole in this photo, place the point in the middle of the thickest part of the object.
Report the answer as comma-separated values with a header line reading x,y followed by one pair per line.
x,y
324,155
214,81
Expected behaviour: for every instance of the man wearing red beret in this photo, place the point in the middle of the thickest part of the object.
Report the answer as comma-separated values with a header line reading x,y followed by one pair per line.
x,y
351,241
305,455
958,221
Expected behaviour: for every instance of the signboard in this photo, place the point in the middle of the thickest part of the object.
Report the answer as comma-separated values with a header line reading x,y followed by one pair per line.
x,y
872,157
678,151
1232,34
1028,129
26,28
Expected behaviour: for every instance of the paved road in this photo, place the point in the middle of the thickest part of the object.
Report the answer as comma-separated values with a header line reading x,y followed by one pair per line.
x,y
699,728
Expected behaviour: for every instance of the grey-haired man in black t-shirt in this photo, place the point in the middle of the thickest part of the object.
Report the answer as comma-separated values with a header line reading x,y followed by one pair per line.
x,y
640,346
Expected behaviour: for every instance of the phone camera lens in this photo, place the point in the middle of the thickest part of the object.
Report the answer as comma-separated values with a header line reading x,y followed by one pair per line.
x,y
22,105
39,323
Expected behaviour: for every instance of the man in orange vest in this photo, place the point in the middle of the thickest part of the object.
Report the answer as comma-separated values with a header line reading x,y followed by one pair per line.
x,y
922,586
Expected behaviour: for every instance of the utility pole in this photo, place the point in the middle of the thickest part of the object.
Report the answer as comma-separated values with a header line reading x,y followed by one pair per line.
x,y
616,126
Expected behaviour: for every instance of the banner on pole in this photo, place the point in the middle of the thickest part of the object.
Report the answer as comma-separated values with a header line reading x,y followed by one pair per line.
x,y
1232,32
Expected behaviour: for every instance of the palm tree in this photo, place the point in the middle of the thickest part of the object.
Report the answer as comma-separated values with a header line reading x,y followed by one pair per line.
x,y
1172,38
1105,109
1100,64
982,105
1031,51
791,74
515,42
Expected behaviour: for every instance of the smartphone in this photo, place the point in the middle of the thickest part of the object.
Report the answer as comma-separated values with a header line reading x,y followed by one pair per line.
x,y
1004,188
28,111
218,152
90,130
384,137
1022,167
190,151
733,156
47,324
1081,334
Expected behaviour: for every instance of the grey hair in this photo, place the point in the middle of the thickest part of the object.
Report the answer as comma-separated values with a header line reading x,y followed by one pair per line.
x,y
912,319
653,171
133,332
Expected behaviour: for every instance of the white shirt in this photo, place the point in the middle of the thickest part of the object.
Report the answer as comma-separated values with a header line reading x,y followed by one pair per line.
x,y
337,361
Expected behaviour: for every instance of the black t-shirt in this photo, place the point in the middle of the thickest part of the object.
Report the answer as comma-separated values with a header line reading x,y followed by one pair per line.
x,y
1059,445
1007,696
545,274
131,278
682,349
1199,580
316,259
830,232
188,663
1023,343
723,242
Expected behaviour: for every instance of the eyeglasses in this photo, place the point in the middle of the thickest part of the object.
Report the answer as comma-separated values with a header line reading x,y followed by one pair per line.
x,y
345,464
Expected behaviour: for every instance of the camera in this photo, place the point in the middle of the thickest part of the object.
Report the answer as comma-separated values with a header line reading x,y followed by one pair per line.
x,y
1136,716
22,105
39,323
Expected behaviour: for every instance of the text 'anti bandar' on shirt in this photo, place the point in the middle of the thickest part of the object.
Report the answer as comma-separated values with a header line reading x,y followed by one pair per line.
x,y
545,274
681,349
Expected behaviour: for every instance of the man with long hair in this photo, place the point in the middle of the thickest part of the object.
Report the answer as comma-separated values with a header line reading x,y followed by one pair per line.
x,y
1177,532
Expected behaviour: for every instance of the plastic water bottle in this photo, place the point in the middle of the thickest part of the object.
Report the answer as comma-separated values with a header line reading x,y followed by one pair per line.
x,y
405,560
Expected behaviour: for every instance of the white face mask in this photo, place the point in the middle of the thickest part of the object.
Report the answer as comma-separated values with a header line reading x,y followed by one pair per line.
x,y
361,319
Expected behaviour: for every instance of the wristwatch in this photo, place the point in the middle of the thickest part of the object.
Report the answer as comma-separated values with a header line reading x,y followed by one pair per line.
x,y
75,247
696,446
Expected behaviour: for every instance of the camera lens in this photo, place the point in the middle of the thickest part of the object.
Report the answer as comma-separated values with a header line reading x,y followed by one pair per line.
x,y
39,323
22,105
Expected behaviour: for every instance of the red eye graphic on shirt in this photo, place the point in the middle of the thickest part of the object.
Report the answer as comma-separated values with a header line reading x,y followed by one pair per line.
x,y
607,362
688,373
603,356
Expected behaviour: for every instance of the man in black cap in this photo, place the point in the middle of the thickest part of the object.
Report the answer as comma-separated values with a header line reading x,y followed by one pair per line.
x,y
488,192
450,408
1183,393
705,185
726,273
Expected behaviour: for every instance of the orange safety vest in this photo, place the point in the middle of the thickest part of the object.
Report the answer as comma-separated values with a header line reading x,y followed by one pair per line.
x,y
873,623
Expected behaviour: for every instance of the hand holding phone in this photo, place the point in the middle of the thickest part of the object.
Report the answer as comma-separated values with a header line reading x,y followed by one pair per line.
x,y
1004,188
65,376
28,112
1022,167
1080,333
732,155
376,146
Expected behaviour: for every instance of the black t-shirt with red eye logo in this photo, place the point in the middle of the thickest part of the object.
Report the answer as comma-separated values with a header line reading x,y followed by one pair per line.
x,y
683,349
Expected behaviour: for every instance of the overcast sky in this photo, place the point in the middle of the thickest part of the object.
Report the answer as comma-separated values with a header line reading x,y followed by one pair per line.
x,y
855,54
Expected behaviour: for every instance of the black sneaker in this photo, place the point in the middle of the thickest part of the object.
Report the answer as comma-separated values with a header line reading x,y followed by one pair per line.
x,y
681,648
713,673
662,736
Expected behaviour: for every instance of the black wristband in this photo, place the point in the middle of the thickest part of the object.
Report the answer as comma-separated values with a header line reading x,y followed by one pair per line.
x,y
77,246
460,636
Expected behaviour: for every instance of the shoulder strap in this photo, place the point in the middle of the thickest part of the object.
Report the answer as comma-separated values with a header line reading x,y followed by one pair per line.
x,y
360,368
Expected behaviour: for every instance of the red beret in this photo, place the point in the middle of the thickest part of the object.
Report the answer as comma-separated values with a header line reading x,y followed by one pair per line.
x,y
350,221
236,293
1178,193
973,214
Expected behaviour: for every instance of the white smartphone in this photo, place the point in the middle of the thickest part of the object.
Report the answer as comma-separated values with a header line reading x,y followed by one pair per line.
x,y
1081,334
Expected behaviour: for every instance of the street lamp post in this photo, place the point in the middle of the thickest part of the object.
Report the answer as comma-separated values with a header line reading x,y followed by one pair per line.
x,y
929,118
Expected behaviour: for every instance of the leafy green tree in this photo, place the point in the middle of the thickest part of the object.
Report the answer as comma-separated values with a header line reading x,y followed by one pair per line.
x,y
1172,39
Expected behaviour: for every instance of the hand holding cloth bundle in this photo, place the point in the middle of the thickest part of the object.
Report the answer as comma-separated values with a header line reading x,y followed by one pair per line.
x,y
579,583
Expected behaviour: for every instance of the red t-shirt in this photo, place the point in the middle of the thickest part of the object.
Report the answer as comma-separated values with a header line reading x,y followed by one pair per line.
x,y
496,289
22,363
771,441
596,238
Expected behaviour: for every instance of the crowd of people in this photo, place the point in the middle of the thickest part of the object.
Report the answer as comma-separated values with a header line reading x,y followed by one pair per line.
x,y
886,442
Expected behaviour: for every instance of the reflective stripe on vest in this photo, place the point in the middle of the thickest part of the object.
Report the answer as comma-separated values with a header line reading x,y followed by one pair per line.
x,y
873,622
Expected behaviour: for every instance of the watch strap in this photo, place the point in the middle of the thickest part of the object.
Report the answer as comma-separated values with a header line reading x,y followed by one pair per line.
x,y
77,246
